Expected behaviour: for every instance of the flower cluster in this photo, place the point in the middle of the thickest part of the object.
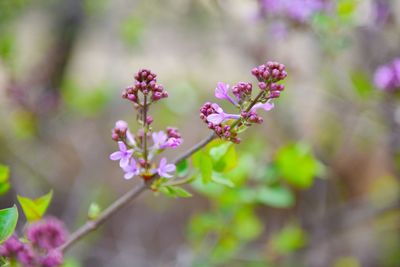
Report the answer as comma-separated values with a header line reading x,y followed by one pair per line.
x,y
387,77
226,125
145,83
135,153
44,237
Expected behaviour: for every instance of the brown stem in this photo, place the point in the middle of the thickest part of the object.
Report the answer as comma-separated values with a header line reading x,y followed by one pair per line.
x,y
121,202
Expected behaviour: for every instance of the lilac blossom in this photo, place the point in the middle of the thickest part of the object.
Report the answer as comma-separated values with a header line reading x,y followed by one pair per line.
x,y
164,169
46,234
123,155
131,170
387,77
160,139
53,259
222,92
220,116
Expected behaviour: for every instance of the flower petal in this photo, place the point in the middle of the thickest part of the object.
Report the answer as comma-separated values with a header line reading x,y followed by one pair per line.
x,y
122,146
129,175
215,118
130,138
116,155
124,162
170,168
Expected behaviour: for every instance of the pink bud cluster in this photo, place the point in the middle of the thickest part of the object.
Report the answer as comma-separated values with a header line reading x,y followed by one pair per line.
x,y
268,75
227,125
242,91
44,237
146,83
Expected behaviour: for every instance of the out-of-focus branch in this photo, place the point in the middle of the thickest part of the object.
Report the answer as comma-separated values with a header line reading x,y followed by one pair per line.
x,y
124,200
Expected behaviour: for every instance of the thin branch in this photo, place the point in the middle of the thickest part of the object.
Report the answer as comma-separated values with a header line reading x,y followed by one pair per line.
x,y
125,199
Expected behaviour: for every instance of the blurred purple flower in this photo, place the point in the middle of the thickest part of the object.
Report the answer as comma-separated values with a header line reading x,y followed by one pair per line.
x,y
160,139
220,116
387,77
46,234
164,169
123,155
382,11
298,10
131,170
53,259
222,92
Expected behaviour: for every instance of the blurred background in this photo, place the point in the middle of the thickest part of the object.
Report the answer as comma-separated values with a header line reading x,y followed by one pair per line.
x,y
317,184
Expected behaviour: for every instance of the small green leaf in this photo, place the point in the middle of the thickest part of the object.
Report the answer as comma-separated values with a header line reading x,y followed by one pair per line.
x,y
224,157
8,222
182,169
4,187
362,84
275,196
175,191
219,178
4,173
289,239
35,208
94,211
203,162
297,165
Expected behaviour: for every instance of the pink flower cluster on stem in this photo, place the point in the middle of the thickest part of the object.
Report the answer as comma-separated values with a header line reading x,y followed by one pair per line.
x,y
226,125
135,154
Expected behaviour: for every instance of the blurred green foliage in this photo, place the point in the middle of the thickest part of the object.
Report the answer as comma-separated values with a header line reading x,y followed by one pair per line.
x,y
4,179
233,221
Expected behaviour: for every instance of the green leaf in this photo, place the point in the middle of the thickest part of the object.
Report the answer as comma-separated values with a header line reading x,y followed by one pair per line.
x,y
246,224
4,176
203,163
182,169
224,157
94,211
8,222
297,165
362,84
289,239
276,196
219,178
175,191
4,173
35,208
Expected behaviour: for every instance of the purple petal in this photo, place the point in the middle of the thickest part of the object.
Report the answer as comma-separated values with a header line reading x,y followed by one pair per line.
x,y
170,168
215,118
217,108
122,146
221,90
130,138
129,175
266,106
124,162
163,162
116,155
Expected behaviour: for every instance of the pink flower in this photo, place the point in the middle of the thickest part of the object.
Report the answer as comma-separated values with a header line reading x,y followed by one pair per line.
x,y
131,170
222,92
164,169
123,155
220,116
